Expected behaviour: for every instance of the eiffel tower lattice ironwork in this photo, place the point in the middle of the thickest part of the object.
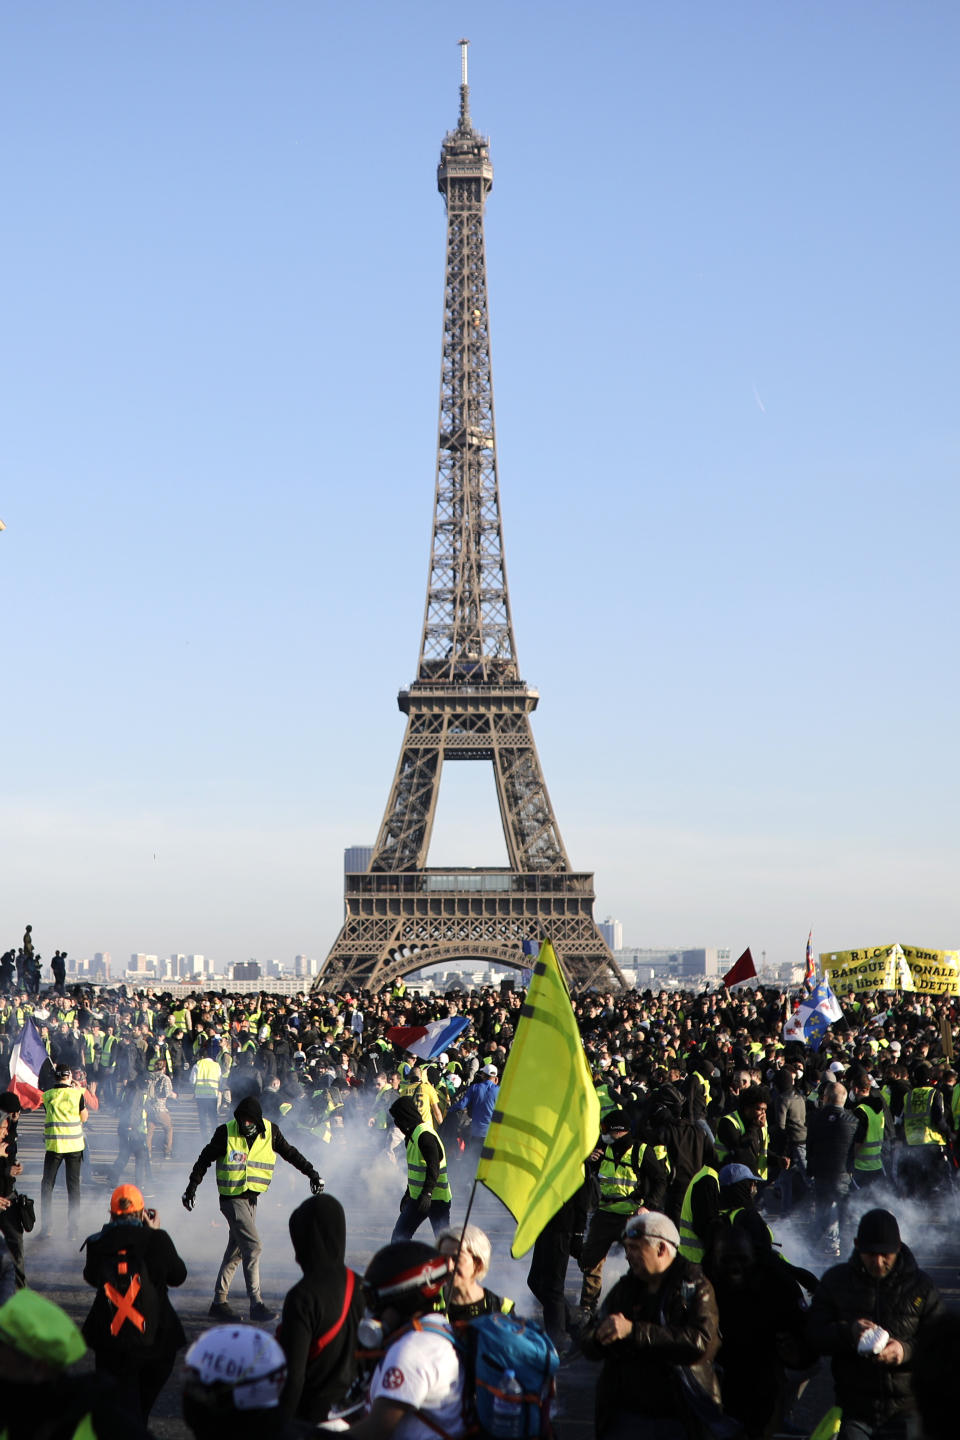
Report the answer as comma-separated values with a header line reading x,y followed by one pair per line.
x,y
468,701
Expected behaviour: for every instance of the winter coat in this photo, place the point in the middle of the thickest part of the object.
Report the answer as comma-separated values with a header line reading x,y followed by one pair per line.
x,y
675,1325
904,1303
830,1140
316,1381
788,1120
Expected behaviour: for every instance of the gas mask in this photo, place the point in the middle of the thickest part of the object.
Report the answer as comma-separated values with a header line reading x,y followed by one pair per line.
x,y
370,1333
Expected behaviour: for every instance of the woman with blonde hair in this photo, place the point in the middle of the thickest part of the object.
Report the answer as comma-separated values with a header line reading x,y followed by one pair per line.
x,y
466,1296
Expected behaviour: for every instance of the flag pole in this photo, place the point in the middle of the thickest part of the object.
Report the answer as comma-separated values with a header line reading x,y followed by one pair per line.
x,y
466,1221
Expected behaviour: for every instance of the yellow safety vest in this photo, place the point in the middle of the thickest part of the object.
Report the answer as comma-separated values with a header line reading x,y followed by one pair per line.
x,y
63,1128
723,1154
607,1102
618,1182
246,1166
917,1111
691,1246
207,1082
868,1156
417,1170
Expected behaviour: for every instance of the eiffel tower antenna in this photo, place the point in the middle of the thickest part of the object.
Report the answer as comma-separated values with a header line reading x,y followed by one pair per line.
x,y
468,701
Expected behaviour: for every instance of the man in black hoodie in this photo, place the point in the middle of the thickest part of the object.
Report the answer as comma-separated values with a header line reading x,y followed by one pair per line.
x,y
321,1313
245,1150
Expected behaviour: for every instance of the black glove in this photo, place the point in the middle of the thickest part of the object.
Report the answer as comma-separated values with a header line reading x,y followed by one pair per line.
x,y
576,1244
423,1204
316,1184
189,1197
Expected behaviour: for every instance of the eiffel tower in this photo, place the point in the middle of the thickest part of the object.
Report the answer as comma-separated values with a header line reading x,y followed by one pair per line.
x,y
468,701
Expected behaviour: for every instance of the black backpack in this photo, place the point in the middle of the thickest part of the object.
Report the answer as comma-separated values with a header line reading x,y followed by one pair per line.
x,y
128,1303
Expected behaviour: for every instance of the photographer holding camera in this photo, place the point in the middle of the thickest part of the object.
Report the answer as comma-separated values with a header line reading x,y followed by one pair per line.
x,y
132,1328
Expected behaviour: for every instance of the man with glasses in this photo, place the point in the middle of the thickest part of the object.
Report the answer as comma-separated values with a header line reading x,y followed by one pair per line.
x,y
657,1334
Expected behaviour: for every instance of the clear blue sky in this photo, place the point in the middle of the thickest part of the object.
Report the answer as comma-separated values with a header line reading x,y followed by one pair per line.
x,y
722,249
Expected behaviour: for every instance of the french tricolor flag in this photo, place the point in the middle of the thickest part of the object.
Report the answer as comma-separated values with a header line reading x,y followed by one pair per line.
x,y
428,1041
26,1062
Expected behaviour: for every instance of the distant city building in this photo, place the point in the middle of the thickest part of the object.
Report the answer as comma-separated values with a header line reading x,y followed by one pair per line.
x,y
141,964
612,932
703,964
305,966
100,967
356,859
246,970
273,969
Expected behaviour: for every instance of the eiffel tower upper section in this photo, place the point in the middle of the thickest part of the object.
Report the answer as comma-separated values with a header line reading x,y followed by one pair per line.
x,y
467,701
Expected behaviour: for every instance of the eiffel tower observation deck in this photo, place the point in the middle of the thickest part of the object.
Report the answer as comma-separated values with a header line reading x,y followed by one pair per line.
x,y
468,701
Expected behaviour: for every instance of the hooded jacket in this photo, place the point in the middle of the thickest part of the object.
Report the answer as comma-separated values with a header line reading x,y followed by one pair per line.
x,y
216,1147
316,1380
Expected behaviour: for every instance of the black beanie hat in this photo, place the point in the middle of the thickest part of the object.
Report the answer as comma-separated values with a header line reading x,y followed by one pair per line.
x,y
878,1233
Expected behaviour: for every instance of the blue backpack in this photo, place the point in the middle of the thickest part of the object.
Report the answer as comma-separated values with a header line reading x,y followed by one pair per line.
x,y
508,1365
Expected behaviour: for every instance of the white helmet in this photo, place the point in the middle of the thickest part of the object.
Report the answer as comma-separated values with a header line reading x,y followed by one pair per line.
x,y
242,1368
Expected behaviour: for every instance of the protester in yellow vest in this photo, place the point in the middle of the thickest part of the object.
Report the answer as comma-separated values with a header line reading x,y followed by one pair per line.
x,y
631,1177
428,1192
206,1076
871,1114
245,1151
63,1141
926,1132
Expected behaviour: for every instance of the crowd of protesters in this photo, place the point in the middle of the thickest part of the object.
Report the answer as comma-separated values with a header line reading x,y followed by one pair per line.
x,y
712,1127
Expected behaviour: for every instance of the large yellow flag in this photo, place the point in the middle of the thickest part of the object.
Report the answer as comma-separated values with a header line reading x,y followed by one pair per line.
x,y
548,1115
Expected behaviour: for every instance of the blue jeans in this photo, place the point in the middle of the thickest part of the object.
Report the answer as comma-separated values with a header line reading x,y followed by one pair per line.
x,y
410,1219
831,1202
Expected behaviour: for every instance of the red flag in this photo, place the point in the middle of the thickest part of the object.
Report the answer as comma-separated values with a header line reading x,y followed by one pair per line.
x,y
743,970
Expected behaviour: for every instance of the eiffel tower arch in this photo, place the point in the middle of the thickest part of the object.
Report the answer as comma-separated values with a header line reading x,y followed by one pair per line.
x,y
468,702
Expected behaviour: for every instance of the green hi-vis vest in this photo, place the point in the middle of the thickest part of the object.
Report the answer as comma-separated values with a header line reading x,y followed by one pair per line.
x,y
868,1156
618,1182
206,1086
246,1166
108,1060
955,1106
417,1170
607,1103
691,1246
723,1154
917,1111
63,1128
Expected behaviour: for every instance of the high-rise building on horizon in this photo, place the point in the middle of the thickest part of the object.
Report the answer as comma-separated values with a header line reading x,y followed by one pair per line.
x,y
246,970
468,701
612,932
356,859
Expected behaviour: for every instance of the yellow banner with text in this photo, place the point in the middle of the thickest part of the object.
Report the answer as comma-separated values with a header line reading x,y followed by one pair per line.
x,y
893,967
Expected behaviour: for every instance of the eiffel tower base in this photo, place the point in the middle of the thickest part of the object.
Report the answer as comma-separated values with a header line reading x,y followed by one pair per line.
x,y
465,915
